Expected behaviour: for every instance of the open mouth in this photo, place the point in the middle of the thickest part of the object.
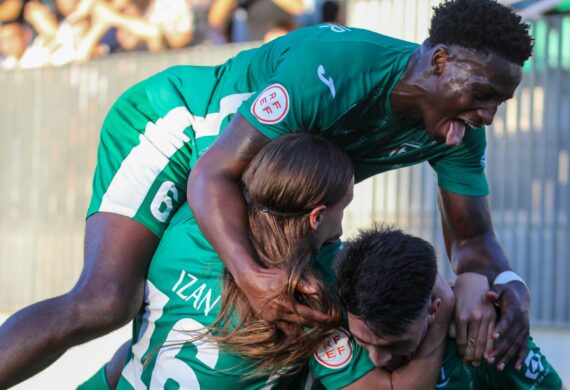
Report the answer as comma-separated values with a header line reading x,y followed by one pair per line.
x,y
473,125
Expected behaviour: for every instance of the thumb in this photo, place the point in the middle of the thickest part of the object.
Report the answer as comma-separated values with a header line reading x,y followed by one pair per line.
x,y
493,296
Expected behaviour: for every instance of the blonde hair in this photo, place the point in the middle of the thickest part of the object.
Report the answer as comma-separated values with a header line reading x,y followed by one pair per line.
x,y
283,183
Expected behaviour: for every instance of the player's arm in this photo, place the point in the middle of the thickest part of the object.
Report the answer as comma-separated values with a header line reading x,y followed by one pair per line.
x,y
108,294
215,196
473,247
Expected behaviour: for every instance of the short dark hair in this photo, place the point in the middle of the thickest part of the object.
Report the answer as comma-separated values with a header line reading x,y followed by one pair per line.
x,y
482,25
385,278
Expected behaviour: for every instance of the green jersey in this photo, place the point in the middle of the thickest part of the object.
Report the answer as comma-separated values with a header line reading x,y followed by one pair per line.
x,y
330,80
183,296
536,373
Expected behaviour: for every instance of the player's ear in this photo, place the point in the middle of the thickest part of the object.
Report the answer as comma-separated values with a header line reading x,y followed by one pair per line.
x,y
433,306
316,217
439,59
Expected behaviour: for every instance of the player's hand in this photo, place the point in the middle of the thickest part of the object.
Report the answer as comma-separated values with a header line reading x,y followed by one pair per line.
x,y
475,317
264,290
512,331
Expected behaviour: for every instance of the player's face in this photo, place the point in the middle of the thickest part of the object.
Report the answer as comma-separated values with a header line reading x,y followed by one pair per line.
x,y
467,93
330,227
389,352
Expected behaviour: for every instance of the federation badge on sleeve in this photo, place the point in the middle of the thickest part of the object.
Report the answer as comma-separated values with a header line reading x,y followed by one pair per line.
x,y
271,105
336,350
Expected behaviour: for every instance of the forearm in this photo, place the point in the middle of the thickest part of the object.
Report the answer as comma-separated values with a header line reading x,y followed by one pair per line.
x,y
469,236
216,199
219,209
36,336
481,254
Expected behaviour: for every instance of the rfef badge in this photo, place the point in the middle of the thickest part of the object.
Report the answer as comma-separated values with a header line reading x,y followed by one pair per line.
x,y
271,105
336,350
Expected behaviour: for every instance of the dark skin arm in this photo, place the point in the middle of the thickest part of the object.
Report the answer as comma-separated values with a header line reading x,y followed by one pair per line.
x,y
217,201
108,294
473,247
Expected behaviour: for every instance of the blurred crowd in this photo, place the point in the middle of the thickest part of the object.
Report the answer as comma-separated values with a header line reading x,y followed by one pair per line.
x,y
36,33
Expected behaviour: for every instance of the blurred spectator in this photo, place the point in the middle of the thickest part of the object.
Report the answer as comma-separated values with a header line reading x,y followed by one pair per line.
x,y
322,11
77,30
330,12
11,10
249,20
164,23
57,43
14,38
279,28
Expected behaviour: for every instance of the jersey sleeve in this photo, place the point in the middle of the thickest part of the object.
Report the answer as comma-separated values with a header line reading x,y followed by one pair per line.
x,y
310,89
536,372
339,362
462,169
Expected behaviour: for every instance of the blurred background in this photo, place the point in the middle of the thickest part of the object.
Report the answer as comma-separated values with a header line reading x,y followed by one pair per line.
x,y
64,62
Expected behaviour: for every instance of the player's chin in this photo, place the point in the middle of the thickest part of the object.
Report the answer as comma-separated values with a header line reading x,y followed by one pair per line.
x,y
438,132
396,363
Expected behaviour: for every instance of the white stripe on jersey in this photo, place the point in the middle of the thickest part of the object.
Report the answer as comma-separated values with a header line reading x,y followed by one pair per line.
x,y
160,141
210,125
144,163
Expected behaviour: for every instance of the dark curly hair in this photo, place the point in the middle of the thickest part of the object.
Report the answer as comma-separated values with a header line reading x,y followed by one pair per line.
x,y
482,25
385,278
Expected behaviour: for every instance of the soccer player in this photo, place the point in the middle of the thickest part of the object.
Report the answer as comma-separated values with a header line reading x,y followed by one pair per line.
x,y
384,280
387,102
288,185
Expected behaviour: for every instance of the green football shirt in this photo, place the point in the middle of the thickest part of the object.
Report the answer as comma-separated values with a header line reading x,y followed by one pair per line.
x,y
536,373
329,80
183,296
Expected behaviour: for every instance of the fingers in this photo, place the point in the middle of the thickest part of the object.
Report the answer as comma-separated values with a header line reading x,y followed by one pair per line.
x,y
309,315
521,355
510,350
472,337
490,341
505,323
512,344
285,311
482,341
461,333
492,296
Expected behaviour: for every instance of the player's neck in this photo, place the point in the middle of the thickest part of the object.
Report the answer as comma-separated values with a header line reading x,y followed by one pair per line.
x,y
410,91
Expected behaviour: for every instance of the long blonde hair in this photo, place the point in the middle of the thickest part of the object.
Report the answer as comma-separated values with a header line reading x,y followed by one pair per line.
x,y
282,184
